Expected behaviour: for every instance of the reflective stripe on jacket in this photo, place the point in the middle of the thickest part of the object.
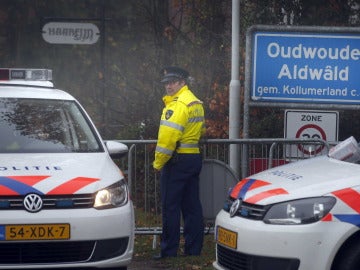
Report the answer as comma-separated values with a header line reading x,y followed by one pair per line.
x,y
181,126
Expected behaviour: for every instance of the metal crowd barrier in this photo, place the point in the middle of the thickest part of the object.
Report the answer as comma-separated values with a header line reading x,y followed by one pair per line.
x,y
256,155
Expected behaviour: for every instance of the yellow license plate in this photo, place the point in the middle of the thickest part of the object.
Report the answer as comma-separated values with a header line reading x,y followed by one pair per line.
x,y
37,232
226,237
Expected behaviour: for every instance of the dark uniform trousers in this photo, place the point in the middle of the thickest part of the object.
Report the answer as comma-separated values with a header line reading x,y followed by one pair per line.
x,y
179,184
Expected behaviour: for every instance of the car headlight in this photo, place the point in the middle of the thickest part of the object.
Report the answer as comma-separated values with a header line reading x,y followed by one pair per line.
x,y
297,212
113,196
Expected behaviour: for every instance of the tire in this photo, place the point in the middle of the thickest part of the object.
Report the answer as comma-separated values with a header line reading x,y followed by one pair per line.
x,y
350,259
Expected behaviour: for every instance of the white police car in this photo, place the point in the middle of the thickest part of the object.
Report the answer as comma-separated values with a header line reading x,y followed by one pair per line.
x,y
300,216
63,201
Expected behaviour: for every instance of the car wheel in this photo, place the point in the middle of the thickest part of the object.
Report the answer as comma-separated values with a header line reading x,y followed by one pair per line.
x,y
350,259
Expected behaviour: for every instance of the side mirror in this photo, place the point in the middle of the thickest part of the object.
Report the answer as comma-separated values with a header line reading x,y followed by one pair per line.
x,y
116,150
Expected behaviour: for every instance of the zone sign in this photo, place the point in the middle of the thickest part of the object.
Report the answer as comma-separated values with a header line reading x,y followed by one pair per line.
x,y
310,124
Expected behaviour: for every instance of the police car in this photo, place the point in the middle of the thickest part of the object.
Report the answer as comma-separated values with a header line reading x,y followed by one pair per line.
x,y
299,216
63,201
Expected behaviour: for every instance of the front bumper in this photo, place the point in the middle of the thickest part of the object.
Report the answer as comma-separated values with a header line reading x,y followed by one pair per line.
x,y
231,259
52,252
261,246
99,238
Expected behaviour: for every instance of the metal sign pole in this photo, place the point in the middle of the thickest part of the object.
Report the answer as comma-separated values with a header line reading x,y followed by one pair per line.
x,y
234,94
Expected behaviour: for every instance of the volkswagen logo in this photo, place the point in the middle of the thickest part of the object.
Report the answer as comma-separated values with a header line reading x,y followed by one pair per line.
x,y
235,207
33,203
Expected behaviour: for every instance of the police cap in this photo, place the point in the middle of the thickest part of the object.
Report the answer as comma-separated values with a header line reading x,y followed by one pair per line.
x,y
174,73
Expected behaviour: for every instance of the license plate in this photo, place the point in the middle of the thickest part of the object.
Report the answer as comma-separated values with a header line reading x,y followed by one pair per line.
x,y
226,237
35,232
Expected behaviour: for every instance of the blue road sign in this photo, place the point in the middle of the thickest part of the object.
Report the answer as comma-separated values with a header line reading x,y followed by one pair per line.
x,y
306,67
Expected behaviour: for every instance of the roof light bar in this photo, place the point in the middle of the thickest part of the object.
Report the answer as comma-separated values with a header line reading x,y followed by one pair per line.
x,y
7,74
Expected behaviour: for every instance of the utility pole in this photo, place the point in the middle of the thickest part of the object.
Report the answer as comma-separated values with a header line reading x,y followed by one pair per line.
x,y
234,94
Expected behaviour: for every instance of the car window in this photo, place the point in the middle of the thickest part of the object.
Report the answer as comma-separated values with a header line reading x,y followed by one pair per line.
x,y
45,126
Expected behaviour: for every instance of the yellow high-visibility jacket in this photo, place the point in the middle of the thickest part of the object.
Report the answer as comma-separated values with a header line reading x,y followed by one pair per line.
x,y
181,126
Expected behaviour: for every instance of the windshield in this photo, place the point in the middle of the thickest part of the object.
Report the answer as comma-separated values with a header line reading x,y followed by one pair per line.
x,y
44,126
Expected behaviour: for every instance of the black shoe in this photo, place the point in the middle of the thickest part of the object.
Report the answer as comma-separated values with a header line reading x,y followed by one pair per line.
x,y
158,257
187,254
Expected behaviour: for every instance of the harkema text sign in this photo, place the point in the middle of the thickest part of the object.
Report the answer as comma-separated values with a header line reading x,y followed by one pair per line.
x,y
305,67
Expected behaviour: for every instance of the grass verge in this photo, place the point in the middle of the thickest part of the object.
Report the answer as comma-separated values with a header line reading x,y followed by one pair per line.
x,y
144,251
146,246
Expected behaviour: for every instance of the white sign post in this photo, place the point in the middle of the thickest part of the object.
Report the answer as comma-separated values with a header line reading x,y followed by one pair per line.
x,y
70,33
310,124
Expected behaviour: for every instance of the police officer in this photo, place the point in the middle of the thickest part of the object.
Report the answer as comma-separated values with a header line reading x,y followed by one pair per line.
x,y
178,158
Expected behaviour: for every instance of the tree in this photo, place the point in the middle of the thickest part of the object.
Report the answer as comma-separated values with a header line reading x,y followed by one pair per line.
x,y
117,79
184,33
